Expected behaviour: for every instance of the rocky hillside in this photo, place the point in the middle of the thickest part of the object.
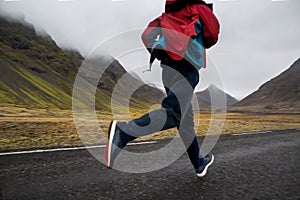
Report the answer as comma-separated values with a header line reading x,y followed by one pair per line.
x,y
279,95
35,72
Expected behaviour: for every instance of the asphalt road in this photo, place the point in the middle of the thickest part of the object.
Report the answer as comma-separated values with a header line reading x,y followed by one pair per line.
x,y
260,166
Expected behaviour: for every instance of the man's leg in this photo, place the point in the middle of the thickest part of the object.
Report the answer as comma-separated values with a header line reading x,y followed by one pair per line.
x,y
120,133
180,89
187,133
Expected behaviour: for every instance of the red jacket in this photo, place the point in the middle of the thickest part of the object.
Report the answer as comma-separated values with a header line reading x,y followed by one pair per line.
x,y
178,27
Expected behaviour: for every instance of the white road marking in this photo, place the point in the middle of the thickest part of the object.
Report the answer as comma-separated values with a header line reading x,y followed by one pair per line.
x,y
69,149
252,133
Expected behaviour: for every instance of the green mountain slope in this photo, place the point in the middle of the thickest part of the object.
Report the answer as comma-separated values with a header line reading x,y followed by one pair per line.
x,y
35,72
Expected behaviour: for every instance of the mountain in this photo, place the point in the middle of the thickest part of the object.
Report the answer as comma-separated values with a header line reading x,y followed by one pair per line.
x,y
204,98
35,72
279,95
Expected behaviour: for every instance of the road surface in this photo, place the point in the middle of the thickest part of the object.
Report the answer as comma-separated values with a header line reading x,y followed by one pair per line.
x,y
247,166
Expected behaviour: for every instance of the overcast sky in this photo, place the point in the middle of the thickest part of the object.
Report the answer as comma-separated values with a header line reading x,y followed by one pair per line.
x,y
259,38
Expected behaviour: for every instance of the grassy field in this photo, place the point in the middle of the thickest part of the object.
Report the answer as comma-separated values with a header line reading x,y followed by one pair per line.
x,y
29,128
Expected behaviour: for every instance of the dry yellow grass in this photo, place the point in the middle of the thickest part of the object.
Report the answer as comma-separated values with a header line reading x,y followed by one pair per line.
x,y
28,128
239,123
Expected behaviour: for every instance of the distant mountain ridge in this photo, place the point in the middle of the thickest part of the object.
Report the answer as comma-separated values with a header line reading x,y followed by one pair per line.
x,y
279,95
205,98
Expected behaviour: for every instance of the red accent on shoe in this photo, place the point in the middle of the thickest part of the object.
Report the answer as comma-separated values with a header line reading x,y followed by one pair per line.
x,y
107,147
106,156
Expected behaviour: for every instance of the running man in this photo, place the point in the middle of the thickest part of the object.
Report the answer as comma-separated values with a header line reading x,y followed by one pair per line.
x,y
180,76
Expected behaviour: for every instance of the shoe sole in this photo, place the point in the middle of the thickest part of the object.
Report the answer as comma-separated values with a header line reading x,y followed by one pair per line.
x,y
206,167
111,134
